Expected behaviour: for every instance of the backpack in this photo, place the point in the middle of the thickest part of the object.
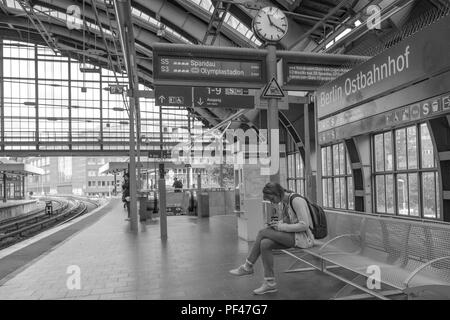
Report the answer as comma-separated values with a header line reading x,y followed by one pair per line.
x,y
318,218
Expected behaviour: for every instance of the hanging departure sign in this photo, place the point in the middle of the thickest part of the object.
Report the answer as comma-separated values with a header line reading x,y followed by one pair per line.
x,y
222,67
310,76
214,69
214,97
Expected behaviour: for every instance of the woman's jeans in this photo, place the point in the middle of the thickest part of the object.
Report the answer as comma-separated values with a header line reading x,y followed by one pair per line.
x,y
267,240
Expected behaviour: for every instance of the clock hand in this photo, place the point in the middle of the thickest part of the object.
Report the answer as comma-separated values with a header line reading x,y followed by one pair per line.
x,y
273,24
270,20
282,30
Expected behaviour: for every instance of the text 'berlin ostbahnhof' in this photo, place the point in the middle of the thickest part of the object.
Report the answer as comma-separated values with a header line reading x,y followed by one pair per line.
x,y
153,136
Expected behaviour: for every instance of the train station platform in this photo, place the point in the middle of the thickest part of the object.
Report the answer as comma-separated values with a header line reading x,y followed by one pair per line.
x,y
192,264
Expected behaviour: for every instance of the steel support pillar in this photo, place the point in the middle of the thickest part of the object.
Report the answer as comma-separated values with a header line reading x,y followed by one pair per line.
x,y
272,119
4,187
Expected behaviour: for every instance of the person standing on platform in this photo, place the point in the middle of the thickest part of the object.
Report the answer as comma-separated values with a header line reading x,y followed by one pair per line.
x,y
177,184
292,231
126,193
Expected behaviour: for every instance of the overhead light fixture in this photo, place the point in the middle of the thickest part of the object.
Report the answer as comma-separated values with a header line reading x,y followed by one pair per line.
x,y
161,31
52,119
123,122
118,109
29,103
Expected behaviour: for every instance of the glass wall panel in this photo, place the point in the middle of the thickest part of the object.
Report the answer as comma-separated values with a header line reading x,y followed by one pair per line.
x,y
337,177
400,143
410,186
50,103
296,174
380,193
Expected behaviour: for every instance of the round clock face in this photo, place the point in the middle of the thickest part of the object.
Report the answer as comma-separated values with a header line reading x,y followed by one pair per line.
x,y
270,24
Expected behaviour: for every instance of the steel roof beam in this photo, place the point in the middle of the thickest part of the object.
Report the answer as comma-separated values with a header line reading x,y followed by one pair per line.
x,y
68,34
318,24
181,19
144,33
146,37
237,37
360,13
362,29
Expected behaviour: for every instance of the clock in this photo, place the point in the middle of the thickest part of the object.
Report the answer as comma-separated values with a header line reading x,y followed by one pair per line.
x,y
270,24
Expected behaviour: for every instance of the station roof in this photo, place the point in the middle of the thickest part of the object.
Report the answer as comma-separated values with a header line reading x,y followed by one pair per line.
x,y
92,33
19,168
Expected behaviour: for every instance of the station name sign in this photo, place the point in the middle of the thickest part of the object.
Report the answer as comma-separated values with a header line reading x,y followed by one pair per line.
x,y
413,59
334,128
203,69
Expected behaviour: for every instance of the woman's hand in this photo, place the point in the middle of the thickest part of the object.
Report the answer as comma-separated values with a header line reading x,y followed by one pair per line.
x,y
275,225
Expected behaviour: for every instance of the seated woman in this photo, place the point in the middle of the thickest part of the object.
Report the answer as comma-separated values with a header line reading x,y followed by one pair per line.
x,y
292,231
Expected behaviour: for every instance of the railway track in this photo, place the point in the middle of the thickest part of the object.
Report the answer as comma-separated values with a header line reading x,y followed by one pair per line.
x,y
16,229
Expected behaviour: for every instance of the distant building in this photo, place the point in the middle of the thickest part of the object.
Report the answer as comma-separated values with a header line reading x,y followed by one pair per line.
x,y
72,175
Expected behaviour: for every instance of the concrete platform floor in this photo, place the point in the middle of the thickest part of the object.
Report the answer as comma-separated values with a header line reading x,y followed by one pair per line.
x,y
192,264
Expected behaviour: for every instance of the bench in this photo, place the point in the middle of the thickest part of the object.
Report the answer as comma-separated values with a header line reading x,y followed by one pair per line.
x,y
413,256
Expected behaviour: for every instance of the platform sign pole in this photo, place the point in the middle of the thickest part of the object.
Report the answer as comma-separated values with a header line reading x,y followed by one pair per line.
x,y
132,171
23,187
162,202
162,183
138,140
4,187
307,144
188,168
115,184
272,117
319,182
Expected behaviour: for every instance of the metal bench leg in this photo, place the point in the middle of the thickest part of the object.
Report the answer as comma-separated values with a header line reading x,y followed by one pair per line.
x,y
300,260
345,293
347,289
385,293
434,292
310,269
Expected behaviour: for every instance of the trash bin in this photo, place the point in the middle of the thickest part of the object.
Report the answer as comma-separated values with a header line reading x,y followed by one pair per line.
x,y
152,202
203,204
144,213
48,207
193,204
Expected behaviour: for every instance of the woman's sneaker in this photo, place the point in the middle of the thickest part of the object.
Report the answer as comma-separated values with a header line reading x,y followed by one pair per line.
x,y
241,271
266,288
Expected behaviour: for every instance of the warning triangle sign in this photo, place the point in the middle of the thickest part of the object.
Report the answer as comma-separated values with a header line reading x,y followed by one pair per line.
x,y
272,90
